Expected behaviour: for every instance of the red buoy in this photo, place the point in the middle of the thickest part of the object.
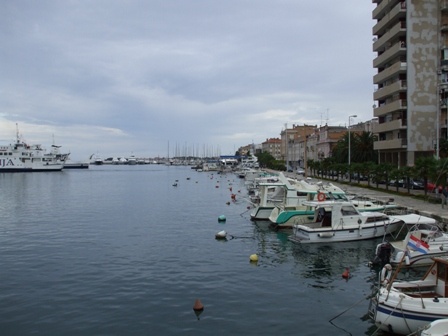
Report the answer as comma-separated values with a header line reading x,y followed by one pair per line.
x,y
198,306
346,273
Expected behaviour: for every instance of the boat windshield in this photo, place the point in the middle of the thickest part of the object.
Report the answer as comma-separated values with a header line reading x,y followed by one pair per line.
x,y
347,210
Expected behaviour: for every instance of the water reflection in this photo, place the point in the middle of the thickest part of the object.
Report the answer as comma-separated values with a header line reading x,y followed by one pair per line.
x,y
273,246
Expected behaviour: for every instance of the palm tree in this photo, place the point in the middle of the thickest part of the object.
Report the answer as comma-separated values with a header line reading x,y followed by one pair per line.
x,y
340,151
363,148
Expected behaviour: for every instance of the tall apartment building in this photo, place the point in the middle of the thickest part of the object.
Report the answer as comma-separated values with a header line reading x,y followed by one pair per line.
x,y
411,42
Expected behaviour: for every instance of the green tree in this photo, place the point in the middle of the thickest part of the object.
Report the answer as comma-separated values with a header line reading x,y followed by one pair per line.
x,y
407,174
396,174
425,167
362,149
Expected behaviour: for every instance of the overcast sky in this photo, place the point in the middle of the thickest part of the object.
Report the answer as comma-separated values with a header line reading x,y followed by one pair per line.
x,y
138,77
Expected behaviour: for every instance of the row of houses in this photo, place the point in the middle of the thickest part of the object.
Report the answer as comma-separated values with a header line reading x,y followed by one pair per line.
x,y
301,143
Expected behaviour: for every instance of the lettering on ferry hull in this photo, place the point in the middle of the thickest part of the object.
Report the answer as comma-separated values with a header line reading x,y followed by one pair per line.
x,y
6,163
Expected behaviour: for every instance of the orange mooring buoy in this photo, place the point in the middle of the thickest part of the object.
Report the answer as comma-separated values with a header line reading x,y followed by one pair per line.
x,y
346,273
198,306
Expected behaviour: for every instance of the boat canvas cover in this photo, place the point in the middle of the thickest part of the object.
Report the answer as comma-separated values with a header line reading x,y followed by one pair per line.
x,y
418,245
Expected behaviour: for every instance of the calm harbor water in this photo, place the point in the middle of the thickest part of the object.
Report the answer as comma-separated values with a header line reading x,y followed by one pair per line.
x,y
119,250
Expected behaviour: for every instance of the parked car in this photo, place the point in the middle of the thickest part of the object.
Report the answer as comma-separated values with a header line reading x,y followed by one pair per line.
x,y
413,184
300,171
361,177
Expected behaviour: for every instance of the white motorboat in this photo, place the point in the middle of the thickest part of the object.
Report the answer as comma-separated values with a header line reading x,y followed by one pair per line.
x,y
293,211
132,160
421,243
21,157
336,221
278,191
285,216
405,307
96,160
435,328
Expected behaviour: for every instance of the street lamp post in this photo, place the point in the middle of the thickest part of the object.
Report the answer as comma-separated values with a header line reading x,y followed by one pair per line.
x,y
349,146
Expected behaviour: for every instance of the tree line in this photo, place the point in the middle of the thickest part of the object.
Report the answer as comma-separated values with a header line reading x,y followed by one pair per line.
x,y
364,163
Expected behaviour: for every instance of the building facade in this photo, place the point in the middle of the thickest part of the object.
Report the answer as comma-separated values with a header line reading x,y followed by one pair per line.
x,y
411,42
273,146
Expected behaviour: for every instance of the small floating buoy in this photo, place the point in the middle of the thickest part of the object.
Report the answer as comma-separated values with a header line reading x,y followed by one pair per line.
x,y
216,186
248,207
198,306
222,218
228,203
346,273
233,197
221,235
253,257
175,185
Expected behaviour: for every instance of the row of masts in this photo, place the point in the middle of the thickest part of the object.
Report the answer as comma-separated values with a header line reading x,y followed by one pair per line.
x,y
196,151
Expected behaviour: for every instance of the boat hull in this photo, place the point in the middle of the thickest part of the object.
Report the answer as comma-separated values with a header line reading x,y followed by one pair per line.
x,y
25,169
407,316
306,235
261,213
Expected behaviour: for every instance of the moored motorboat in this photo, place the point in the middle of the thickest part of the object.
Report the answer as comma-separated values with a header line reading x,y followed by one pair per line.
x,y
405,307
285,215
421,243
336,221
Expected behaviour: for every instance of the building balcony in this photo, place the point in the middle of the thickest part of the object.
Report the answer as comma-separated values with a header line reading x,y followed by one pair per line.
x,y
393,34
397,50
389,90
392,71
444,5
444,63
397,12
389,126
390,144
396,105
380,9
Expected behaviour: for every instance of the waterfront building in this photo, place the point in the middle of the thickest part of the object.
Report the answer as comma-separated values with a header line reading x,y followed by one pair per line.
x,y
273,147
410,38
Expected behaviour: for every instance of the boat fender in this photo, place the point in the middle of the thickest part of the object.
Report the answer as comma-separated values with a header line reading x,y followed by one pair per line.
x,y
325,235
386,273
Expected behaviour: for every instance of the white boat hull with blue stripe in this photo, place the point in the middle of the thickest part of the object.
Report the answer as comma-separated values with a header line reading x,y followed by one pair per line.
x,y
404,307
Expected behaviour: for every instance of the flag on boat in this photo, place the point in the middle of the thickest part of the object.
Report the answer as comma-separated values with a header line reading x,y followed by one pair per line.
x,y
418,245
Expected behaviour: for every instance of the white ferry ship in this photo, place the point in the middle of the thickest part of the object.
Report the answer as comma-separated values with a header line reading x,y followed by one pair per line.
x,y
21,157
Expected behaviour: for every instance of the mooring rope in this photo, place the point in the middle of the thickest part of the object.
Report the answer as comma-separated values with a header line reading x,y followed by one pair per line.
x,y
343,312
399,303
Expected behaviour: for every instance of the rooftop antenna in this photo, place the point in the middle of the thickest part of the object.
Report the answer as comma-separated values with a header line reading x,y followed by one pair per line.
x,y
326,121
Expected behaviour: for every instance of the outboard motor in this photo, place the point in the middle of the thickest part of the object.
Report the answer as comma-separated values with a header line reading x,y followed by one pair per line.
x,y
382,254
